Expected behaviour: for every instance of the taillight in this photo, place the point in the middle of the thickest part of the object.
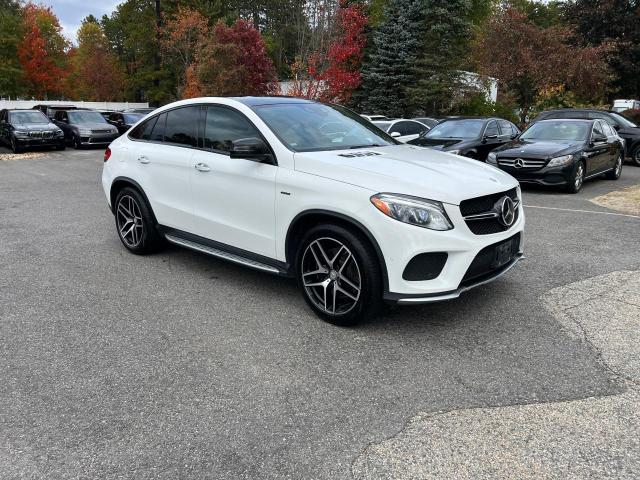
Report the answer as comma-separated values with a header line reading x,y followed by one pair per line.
x,y
107,154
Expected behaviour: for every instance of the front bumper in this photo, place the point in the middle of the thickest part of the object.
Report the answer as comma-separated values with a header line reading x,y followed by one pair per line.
x,y
550,176
401,243
40,142
98,139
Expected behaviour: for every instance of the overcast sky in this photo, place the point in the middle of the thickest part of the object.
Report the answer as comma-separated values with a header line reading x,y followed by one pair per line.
x,y
71,12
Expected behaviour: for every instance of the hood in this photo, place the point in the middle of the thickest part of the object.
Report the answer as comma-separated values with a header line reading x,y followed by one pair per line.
x,y
629,131
94,126
36,127
442,143
409,170
541,149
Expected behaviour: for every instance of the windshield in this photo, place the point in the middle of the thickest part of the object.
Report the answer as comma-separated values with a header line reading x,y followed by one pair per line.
x,y
28,117
623,121
83,116
312,127
131,118
557,131
456,129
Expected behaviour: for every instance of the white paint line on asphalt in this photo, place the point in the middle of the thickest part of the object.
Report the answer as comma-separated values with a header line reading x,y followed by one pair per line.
x,y
582,211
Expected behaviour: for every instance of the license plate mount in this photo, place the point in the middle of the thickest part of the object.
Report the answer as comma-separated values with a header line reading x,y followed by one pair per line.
x,y
503,254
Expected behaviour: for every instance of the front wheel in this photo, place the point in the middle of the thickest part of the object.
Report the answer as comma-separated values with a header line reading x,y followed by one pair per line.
x,y
616,171
339,275
635,156
15,146
76,142
576,179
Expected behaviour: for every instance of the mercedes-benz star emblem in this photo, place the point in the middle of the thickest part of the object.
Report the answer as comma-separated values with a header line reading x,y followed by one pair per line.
x,y
518,163
507,211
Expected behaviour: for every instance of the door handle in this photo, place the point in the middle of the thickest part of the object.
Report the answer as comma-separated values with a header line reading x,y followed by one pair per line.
x,y
143,159
202,167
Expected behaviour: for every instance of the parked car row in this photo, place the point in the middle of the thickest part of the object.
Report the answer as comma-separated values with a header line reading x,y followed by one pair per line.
x,y
559,148
62,125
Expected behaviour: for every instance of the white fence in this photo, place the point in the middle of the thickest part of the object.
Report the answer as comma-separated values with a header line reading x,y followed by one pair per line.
x,y
96,105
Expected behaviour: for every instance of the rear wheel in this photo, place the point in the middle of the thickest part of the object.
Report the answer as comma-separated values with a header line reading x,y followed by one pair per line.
x,y
135,224
62,146
576,179
616,171
339,275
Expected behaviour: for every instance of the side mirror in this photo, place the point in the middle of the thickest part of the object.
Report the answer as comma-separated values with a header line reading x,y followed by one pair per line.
x,y
252,148
616,126
395,134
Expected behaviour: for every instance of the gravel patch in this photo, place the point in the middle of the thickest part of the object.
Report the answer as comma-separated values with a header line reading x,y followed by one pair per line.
x,y
626,200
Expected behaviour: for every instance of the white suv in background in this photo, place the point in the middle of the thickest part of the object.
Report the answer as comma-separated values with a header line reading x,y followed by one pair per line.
x,y
354,215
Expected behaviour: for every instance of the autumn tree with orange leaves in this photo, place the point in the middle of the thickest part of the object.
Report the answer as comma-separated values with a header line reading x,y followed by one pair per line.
x,y
42,53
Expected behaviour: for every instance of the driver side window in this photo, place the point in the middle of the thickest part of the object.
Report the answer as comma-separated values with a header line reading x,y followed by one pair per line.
x,y
223,126
492,128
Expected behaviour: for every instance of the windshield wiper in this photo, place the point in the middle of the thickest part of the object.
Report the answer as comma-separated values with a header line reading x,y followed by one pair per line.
x,y
366,146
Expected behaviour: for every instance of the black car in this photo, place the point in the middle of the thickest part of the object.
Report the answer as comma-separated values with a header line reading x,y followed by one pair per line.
x,y
562,153
124,121
50,110
627,129
21,129
85,127
470,137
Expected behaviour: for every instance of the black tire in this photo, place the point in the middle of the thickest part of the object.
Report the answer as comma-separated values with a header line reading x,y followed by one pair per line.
x,y
356,265
576,179
76,142
61,147
135,223
15,146
616,171
635,156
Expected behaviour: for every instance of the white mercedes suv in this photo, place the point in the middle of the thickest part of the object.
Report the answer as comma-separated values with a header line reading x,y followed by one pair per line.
x,y
313,191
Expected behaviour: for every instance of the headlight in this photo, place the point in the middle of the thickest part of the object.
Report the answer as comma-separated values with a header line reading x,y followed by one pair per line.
x,y
412,210
455,152
20,133
563,160
492,158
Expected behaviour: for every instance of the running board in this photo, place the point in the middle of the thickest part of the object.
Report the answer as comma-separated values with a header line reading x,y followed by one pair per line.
x,y
198,247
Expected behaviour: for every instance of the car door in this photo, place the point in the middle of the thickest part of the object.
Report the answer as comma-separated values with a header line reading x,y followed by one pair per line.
x,y
234,198
614,145
598,151
490,140
161,159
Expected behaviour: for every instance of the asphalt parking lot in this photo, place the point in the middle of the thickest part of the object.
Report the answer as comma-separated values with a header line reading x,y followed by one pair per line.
x,y
178,365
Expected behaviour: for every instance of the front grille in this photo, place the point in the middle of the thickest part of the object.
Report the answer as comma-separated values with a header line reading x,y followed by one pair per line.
x,y
484,265
478,205
524,164
100,131
41,134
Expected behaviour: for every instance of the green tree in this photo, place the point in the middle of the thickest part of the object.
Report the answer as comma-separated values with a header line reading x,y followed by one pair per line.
x,y
10,35
443,48
388,71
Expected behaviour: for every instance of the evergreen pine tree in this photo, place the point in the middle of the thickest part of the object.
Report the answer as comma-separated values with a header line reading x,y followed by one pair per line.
x,y
388,70
446,31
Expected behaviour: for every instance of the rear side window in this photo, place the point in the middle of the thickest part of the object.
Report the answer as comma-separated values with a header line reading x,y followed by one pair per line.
x,y
413,128
223,126
597,129
182,126
506,128
143,131
157,134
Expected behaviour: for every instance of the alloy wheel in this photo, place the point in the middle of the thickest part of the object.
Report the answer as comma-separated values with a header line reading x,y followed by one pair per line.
x,y
579,176
331,276
129,221
636,156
